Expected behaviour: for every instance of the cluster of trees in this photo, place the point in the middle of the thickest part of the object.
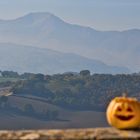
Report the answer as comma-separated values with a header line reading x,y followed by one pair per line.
x,y
48,114
9,74
81,91
3,101
29,110
13,74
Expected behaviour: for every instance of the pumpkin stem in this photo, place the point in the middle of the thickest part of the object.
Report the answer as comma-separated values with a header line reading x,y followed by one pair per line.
x,y
124,94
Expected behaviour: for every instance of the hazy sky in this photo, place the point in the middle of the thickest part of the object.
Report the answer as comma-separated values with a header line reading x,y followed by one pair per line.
x,y
99,14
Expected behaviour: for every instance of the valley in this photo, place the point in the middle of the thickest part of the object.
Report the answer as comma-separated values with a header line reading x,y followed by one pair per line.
x,y
69,100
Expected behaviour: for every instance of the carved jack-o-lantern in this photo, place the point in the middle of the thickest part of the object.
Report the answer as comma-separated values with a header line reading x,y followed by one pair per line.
x,y
124,113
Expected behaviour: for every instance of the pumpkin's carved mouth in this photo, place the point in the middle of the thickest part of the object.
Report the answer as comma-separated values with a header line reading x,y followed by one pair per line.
x,y
124,118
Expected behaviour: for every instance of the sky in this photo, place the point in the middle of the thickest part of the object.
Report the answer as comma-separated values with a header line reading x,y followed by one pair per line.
x,y
98,14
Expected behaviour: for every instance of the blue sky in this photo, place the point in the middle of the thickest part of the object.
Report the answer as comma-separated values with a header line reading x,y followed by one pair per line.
x,y
99,14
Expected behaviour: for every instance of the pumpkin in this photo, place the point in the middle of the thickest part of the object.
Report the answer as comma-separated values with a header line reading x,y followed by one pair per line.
x,y
124,113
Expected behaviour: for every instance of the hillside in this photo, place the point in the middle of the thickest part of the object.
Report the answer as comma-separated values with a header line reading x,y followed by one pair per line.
x,y
78,91
10,119
23,58
48,31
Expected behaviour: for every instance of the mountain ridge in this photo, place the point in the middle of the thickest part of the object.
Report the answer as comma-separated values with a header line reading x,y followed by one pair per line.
x,y
119,48
41,60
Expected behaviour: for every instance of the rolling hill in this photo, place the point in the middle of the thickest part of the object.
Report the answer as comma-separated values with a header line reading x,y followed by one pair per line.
x,y
66,119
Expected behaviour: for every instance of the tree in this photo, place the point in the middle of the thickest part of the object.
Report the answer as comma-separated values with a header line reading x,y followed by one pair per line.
x,y
37,77
85,73
9,74
3,101
52,114
28,109
26,75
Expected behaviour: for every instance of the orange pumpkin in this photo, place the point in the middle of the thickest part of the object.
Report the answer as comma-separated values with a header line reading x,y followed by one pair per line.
x,y
124,113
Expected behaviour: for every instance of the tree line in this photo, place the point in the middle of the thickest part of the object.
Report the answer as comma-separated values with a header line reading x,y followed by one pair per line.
x,y
80,91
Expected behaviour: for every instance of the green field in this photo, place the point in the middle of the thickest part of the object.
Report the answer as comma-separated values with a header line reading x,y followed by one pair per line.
x,y
6,79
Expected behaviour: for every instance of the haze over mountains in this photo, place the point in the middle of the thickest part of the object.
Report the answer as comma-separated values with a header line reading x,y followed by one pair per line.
x,y
23,58
44,30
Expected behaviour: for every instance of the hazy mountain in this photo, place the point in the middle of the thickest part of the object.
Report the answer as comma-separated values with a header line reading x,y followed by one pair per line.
x,y
30,59
49,31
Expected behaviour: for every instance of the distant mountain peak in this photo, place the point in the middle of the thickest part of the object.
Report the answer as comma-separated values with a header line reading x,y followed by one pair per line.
x,y
38,16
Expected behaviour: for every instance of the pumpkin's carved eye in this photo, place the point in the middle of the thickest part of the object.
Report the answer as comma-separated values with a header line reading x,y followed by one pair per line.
x,y
129,109
119,109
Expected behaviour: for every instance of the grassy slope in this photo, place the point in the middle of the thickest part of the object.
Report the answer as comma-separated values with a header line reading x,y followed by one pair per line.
x,y
68,119
3,79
